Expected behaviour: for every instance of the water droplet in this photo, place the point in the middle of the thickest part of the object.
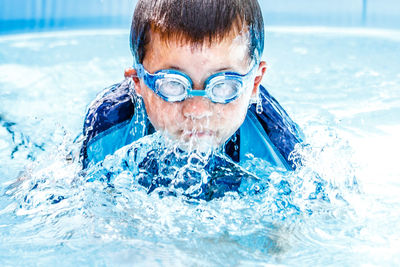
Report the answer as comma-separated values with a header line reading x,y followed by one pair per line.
x,y
259,108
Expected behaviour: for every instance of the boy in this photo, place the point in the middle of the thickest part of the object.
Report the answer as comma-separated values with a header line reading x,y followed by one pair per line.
x,y
196,77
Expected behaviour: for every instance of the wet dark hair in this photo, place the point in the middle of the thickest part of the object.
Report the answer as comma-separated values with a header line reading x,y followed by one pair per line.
x,y
196,22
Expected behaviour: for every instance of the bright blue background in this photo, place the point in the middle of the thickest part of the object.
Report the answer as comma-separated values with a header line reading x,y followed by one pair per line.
x,y
43,15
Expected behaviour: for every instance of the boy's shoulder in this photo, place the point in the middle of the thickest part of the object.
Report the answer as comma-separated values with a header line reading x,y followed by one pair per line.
x,y
112,106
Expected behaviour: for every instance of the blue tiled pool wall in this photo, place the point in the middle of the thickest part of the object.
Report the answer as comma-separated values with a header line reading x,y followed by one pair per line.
x,y
44,15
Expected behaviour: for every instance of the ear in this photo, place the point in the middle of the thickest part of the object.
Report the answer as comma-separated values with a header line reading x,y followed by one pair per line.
x,y
132,73
257,81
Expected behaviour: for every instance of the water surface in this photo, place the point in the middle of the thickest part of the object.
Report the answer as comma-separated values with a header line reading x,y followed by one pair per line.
x,y
341,207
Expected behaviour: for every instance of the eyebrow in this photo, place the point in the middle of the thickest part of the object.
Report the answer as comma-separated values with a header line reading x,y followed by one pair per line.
x,y
215,71
174,68
223,69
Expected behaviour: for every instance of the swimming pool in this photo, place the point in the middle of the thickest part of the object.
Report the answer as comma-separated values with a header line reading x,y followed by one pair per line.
x,y
342,86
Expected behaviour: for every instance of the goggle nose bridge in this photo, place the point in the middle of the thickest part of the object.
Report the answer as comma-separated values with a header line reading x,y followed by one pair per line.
x,y
192,92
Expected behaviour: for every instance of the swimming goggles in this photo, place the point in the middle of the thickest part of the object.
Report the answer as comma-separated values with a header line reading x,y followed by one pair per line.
x,y
173,86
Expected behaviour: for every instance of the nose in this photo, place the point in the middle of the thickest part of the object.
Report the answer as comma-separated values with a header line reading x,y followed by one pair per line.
x,y
196,107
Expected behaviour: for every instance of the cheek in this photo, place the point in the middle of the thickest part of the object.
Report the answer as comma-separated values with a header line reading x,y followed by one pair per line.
x,y
232,115
235,111
163,115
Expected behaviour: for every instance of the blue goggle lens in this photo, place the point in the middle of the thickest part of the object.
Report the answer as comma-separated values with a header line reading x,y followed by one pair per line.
x,y
225,89
171,88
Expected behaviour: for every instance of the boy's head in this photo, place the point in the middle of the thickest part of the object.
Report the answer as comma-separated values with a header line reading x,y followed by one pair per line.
x,y
198,41
196,22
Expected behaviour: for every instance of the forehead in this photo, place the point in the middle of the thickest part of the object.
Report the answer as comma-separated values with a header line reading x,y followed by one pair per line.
x,y
234,45
238,28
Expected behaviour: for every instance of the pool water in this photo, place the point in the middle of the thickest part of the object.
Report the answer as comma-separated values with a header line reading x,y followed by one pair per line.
x,y
342,207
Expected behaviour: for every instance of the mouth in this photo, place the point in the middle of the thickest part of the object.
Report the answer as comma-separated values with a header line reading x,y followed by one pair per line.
x,y
201,134
197,134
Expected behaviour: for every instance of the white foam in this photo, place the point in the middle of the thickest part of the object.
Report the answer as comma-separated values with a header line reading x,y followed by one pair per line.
x,y
58,34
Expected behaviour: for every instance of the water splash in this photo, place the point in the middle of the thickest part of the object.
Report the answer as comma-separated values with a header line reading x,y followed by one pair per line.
x,y
151,191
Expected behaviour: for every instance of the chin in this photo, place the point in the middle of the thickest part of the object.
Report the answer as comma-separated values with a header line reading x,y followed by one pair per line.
x,y
193,141
199,143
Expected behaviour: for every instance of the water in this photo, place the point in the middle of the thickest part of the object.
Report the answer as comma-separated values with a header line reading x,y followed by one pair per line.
x,y
340,208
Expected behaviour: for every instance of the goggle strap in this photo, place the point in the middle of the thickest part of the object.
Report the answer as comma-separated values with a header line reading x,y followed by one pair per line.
x,y
140,70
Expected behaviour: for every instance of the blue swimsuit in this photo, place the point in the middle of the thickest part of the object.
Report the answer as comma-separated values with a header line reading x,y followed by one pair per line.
x,y
113,121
